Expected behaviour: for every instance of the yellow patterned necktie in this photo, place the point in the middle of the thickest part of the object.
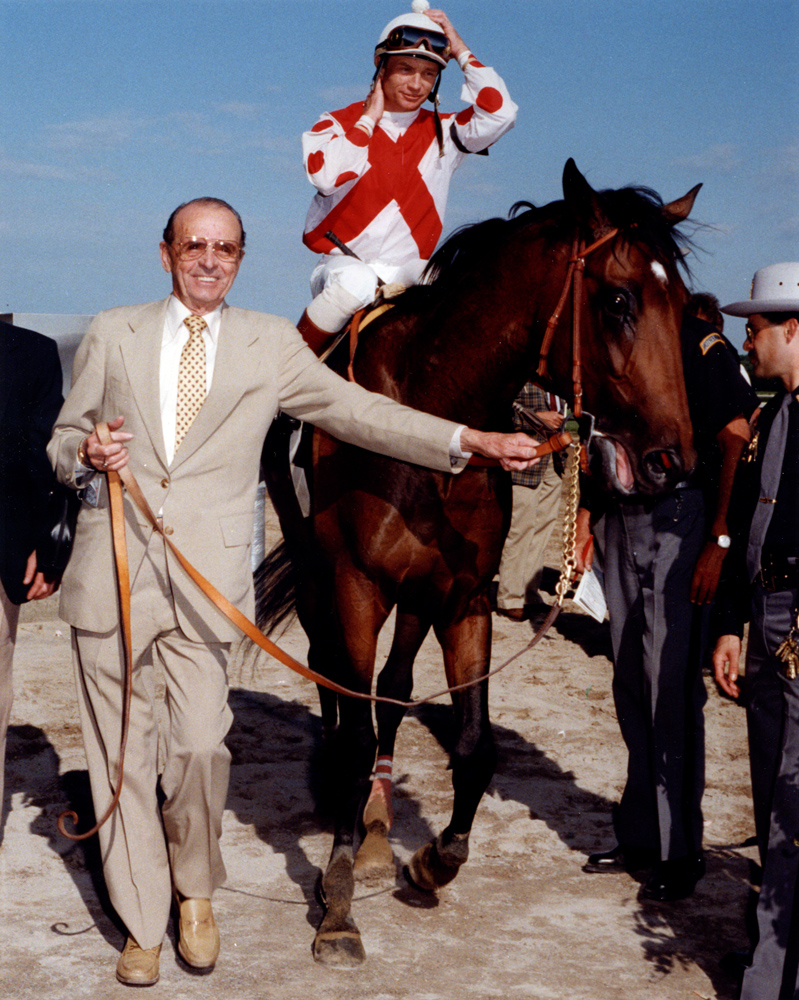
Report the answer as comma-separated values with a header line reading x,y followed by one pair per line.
x,y
191,378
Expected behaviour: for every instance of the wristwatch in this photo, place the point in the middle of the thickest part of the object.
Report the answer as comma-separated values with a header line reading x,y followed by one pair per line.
x,y
723,541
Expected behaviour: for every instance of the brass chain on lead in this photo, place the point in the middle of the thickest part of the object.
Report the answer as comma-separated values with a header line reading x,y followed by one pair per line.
x,y
569,557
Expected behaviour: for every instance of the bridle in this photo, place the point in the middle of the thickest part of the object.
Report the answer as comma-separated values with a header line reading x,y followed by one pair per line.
x,y
573,282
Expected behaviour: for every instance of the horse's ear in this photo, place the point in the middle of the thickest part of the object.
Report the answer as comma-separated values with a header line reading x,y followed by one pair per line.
x,y
679,210
583,201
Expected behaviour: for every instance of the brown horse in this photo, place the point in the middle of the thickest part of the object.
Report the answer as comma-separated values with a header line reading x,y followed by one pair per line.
x,y
383,533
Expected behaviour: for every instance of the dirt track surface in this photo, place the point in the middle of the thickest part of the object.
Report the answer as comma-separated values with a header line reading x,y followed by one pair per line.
x,y
520,921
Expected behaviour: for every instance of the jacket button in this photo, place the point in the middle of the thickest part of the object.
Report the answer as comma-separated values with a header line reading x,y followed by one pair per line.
x,y
165,483
169,530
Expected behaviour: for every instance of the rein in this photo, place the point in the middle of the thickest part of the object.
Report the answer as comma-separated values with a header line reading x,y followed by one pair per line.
x,y
573,282
116,481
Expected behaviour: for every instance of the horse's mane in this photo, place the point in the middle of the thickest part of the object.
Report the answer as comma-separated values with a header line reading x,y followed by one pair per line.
x,y
635,211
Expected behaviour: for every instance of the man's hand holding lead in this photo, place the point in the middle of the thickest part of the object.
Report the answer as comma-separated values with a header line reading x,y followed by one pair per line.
x,y
108,457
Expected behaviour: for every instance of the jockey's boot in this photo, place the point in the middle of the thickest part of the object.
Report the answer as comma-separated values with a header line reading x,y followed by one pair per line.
x,y
313,336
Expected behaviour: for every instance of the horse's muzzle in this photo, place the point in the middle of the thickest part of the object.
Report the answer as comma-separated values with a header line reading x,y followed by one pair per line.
x,y
662,469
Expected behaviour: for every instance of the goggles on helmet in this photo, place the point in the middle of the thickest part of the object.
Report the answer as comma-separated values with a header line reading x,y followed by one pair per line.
x,y
415,41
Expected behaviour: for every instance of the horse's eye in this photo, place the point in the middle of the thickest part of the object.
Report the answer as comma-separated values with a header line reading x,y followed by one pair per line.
x,y
619,305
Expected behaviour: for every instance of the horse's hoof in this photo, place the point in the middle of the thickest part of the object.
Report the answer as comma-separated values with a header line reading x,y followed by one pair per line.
x,y
339,948
374,863
417,871
429,871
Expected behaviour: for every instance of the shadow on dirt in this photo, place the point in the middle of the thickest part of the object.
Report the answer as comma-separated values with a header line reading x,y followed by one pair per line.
x,y
695,931
698,930
42,788
278,757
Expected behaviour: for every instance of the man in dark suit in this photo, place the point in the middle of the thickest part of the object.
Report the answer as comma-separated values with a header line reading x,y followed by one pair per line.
x,y
140,367
34,538
762,585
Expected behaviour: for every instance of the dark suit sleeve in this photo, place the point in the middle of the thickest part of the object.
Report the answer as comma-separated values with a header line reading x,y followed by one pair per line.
x,y
57,507
37,513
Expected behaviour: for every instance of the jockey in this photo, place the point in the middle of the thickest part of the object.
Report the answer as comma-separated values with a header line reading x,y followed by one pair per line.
x,y
382,167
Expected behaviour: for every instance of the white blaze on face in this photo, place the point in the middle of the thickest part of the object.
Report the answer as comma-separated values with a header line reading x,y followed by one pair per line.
x,y
659,272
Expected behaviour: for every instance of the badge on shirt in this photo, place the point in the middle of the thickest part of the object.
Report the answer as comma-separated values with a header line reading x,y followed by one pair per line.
x,y
710,341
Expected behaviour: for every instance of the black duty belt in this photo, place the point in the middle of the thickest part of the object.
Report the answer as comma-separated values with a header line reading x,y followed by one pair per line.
x,y
778,571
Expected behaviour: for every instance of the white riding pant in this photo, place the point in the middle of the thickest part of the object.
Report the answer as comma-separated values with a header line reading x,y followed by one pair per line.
x,y
342,285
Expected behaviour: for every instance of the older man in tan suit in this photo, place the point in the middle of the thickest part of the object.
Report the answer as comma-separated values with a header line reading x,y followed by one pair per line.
x,y
188,402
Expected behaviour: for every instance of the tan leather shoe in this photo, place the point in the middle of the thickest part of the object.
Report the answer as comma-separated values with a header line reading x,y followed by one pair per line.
x,y
198,942
138,966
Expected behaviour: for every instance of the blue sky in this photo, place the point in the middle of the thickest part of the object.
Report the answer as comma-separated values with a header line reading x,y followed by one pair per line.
x,y
114,111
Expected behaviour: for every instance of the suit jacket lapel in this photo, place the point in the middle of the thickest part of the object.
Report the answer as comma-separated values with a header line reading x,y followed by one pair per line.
x,y
237,364
141,354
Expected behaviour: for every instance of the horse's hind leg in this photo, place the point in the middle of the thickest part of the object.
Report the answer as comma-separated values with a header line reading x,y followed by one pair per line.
x,y
466,646
374,862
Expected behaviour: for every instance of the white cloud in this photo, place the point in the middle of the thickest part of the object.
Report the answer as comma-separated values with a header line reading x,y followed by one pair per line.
x,y
722,157
103,132
52,172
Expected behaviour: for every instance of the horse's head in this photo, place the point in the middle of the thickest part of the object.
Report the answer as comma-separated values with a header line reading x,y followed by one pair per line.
x,y
630,314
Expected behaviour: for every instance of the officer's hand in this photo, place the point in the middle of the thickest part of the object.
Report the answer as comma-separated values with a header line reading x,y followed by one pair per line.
x,y
706,573
725,664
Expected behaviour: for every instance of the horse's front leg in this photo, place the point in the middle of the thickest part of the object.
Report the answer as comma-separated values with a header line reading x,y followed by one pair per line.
x,y
374,862
467,645
361,611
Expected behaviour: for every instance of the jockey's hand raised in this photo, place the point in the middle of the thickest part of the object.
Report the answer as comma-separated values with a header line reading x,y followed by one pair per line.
x,y
513,451
456,43
374,106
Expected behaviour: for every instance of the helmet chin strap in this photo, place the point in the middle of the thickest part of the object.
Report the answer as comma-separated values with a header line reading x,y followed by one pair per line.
x,y
381,63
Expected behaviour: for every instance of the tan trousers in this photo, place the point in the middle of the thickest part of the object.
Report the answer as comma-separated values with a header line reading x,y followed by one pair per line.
x,y
146,850
9,616
534,514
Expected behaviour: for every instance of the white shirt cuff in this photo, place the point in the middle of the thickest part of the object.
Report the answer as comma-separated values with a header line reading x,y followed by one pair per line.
x,y
463,58
366,123
458,458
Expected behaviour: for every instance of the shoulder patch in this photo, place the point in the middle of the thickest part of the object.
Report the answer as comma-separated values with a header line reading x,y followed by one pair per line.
x,y
710,341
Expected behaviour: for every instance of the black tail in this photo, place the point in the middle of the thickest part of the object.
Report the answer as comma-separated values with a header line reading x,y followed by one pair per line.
x,y
275,589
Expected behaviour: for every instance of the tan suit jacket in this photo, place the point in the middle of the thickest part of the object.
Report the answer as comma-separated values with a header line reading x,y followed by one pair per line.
x,y
207,495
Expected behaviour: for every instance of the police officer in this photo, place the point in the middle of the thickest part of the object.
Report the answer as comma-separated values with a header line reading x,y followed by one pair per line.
x,y
761,585
662,559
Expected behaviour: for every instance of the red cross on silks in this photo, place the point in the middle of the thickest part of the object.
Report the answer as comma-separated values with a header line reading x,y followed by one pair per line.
x,y
393,175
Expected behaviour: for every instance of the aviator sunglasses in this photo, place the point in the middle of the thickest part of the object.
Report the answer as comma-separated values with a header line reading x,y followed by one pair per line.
x,y
196,246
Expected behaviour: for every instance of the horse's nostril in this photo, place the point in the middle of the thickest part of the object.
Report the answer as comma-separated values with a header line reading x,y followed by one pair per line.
x,y
662,464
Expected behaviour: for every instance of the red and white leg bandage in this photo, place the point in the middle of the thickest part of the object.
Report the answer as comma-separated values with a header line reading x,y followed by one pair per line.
x,y
383,767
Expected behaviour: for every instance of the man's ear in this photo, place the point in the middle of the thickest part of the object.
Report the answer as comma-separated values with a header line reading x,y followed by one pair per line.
x,y
166,259
791,329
